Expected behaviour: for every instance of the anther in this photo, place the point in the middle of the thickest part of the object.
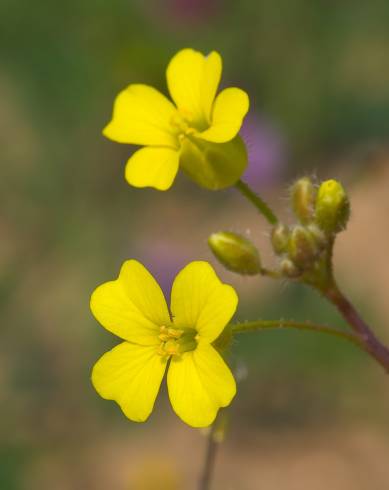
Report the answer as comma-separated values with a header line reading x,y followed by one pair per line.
x,y
171,348
175,332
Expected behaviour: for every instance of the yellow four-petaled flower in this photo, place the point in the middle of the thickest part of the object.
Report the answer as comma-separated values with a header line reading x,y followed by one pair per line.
x,y
134,308
198,132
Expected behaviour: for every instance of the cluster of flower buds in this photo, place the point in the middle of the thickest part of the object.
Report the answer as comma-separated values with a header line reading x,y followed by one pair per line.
x,y
322,212
305,248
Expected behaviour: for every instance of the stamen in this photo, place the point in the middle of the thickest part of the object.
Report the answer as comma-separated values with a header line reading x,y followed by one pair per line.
x,y
175,341
171,348
161,350
175,332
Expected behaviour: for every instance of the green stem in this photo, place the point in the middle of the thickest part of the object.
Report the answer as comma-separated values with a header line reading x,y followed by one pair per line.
x,y
258,202
209,461
284,324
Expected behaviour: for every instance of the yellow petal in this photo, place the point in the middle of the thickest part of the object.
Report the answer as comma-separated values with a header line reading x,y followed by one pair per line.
x,y
210,82
230,107
131,375
153,167
133,306
142,116
193,80
199,384
200,300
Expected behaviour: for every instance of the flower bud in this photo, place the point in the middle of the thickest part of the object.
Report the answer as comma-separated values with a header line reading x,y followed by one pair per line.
x,y
280,239
303,195
235,252
332,207
289,269
302,247
213,165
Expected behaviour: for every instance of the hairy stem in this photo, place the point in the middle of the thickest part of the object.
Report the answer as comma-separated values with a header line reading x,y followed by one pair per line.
x,y
258,202
285,324
273,274
209,461
370,342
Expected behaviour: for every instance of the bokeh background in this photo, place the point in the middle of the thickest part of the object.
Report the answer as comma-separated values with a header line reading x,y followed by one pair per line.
x,y
312,412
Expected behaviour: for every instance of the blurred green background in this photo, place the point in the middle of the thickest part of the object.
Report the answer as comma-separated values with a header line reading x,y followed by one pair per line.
x,y
312,412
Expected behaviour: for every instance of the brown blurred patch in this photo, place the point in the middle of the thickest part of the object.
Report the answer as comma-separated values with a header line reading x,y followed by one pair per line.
x,y
361,253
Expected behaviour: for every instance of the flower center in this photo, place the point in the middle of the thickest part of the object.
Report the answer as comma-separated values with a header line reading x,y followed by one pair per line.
x,y
184,125
175,341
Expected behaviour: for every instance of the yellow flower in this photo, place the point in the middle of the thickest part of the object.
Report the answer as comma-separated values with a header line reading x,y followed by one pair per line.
x,y
133,307
198,133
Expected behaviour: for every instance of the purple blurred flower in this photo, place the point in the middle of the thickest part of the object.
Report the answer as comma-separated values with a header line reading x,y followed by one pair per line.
x,y
164,261
266,151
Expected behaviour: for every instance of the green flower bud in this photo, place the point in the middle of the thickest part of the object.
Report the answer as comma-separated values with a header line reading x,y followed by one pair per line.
x,y
289,269
213,165
332,207
235,252
280,239
303,195
302,248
